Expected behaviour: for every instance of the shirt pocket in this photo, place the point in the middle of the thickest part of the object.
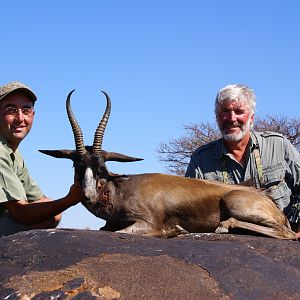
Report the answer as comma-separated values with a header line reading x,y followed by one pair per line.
x,y
280,194
274,174
215,176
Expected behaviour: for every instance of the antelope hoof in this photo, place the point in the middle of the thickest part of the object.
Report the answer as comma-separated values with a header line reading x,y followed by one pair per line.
x,y
221,229
180,230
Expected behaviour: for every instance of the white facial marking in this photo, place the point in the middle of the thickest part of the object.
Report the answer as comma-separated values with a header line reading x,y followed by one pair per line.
x,y
89,186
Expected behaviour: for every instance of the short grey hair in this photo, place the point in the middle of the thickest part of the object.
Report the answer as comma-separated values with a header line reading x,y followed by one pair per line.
x,y
236,92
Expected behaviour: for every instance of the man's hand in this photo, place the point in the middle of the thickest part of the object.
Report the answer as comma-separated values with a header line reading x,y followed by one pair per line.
x,y
75,194
44,209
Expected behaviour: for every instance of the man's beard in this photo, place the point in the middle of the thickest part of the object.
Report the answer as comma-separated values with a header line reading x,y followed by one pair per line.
x,y
235,137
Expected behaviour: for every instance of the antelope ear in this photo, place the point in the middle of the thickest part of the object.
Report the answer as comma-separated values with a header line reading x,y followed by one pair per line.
x,y
114,156
59,153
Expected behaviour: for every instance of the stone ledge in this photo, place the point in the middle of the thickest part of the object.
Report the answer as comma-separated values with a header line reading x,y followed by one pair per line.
x,y
86,264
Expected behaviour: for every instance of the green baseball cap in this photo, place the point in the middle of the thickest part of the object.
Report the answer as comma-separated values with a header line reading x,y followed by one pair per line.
x,y
15,85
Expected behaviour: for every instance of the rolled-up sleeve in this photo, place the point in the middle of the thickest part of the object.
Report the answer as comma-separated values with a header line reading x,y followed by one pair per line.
x,y
11,187
16,182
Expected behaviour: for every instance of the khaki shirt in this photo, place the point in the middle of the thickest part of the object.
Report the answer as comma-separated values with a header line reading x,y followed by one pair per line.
x,y
15,181
280,162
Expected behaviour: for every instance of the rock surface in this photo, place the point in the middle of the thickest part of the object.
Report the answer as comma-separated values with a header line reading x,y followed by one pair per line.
x,y
86,264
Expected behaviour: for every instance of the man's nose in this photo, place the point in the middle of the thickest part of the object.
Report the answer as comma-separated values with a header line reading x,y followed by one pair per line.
x,y
20,115
232,115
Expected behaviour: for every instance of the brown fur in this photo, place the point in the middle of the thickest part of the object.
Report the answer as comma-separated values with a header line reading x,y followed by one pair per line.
x,y
165,205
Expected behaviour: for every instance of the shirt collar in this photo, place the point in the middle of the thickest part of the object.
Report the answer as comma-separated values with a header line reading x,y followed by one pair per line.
x,y
253,142
5,144
221,149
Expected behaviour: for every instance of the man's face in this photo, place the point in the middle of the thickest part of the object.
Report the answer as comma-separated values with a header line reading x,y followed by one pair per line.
x,y
234,120
16,117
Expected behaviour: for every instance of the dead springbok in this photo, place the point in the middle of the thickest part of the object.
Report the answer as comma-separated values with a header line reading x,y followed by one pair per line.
x,y
164,205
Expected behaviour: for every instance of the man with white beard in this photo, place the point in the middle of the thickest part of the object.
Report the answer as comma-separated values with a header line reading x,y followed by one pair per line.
x,y
267,159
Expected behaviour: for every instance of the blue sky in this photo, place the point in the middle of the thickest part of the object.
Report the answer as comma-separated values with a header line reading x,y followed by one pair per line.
x,y
162,63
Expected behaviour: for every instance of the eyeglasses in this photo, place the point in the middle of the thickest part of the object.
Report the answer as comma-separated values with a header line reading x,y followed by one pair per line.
x,y
13,111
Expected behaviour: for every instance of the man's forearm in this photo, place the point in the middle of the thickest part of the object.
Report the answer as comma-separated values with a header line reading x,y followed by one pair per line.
x,y
34,212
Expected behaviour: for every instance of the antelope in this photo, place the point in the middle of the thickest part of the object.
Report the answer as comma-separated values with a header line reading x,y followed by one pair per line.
x,y
161,205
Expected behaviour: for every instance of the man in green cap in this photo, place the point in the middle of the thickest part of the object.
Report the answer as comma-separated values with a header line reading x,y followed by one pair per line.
x,y
267,159
22,204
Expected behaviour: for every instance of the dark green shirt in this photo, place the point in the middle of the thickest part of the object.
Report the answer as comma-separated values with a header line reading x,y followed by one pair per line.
x,y
280,162
15,181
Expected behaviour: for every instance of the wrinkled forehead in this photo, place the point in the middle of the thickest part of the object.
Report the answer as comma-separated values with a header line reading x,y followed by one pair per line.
x,y
234,104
